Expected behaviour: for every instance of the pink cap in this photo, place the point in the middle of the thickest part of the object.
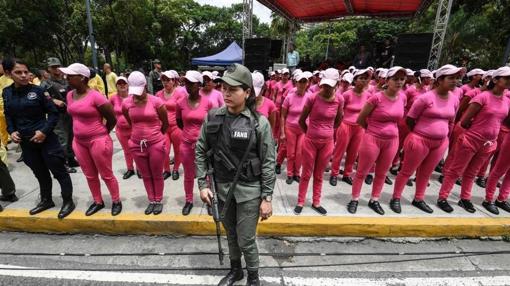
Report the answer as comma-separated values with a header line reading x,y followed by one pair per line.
x,y
303,75
285,70
258,82
394,70
121,78
137,83
360,72
447,70
501,72
171,74
487,74
330,77
474,72
426,73
208,74
194,76
76,69
409,72
348,77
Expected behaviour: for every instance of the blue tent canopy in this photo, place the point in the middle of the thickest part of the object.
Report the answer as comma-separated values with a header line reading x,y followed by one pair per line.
x,y
232,54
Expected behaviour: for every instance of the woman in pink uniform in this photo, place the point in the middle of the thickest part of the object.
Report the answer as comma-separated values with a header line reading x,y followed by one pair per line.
x,y
170,94
482,121
293,135
149,122
265,106
208,91
379,117
92,143
123,129
429,121
191,111
349,134
324,113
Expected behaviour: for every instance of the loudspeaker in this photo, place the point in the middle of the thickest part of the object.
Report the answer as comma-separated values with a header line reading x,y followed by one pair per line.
x,y
259,53
413,50
276,48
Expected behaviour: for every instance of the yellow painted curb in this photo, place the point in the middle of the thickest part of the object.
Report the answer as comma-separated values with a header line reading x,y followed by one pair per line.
x,y
126,223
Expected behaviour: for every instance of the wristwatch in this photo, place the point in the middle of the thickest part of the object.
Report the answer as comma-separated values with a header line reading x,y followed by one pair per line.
x,y
267,198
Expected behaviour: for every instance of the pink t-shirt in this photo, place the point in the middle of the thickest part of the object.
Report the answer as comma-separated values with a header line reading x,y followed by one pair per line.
x,y
87,120
486,124
116,101
171,103
281,89
433,114
294,105
353,103
382,121
412,93
267,107
459,92
145,121
472,93
321,119
215,97
466,88
314,88
192,118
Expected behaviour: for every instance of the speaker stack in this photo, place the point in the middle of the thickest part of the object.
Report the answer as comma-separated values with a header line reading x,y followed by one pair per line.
x,y
413,50
260,53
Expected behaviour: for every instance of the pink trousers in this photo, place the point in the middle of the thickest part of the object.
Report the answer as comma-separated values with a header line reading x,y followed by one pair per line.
x,y
316,155
295,137
348,139
188,163
174,139
501,168
471,153
123,135
149,159
374,150
454,138
95,158
403,131
501,136
422,155
282,151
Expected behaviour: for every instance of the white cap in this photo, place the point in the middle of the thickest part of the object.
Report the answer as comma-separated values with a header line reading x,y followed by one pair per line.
x,y
316,72
170,74
360,72
194,76
351,69
76,69
285,70
426,73
348,77
487,74
447,70
208,74
137,83
344,72
303,75
215,73
370,68
394,70
409,72
383,73
330,77
502,71
258,82
121,78
296,71
272,73
278,71
295,74
474,72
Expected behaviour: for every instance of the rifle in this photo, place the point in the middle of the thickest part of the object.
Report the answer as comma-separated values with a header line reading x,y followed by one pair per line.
x,y
215,209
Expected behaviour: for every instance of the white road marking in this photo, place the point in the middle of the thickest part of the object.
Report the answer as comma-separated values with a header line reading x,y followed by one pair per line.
x,y
180,279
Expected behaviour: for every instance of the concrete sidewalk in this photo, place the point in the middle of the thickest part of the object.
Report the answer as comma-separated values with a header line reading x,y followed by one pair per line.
x,y
338,222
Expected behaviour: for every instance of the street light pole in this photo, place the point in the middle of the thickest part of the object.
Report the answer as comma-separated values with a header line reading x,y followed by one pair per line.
x,y
91,36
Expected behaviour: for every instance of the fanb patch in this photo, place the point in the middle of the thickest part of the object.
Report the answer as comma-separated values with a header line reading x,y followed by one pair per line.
x,y
239,134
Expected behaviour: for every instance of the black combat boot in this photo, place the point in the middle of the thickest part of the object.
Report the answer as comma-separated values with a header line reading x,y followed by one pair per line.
x,y
235,274
253,278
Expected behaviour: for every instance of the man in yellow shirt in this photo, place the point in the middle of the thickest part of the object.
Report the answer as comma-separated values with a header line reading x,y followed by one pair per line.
x,y
96,82
5,81
111,79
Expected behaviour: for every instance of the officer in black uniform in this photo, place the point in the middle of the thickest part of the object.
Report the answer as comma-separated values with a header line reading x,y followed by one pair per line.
x,y
58,87
31,117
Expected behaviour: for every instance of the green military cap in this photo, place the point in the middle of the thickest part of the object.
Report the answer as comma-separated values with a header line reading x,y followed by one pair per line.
x,y
156,61
236,75
53,62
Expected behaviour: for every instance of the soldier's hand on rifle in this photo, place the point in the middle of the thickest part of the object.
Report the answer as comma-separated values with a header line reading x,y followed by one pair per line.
x,y
206,196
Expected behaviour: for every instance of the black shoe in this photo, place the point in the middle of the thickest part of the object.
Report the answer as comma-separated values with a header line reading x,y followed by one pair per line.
x,y
138,174
459,182
128,174
498,185
175,175
352,206
376,207
149,209
172,161
503,205
388,181
348,180
297,178
158,208
409,183
235,274
467,205
491,207
20,159
1,208
253,278
187,208
394,171
209,210
70,170
94,208
67,208
166,175
439,168
278,169
116,208
395,205
42,206
320,210
481,182
10,198
298,210
445,206
73,163
328,168
369,179
289,180
422,205
333,180
440,179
